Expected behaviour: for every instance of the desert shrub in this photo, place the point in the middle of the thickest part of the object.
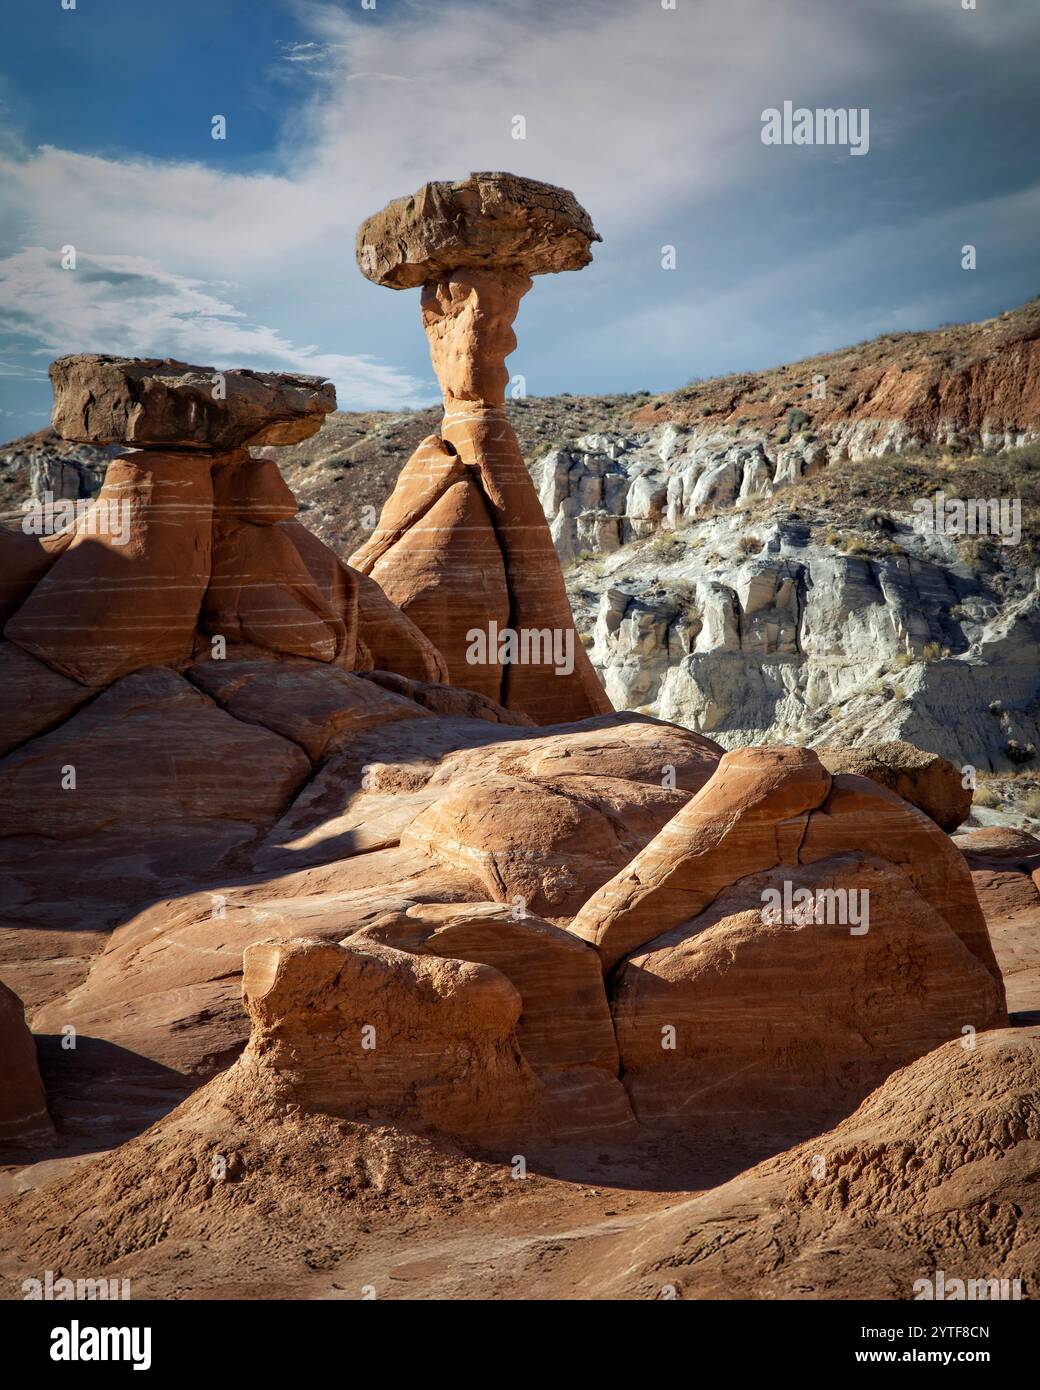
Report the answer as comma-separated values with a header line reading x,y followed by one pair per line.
x,y
985,796
1019,752
976,551
667,548
934,651
1030,805
750,545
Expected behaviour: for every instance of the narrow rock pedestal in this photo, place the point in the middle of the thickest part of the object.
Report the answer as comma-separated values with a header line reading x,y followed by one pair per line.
x,y
464,533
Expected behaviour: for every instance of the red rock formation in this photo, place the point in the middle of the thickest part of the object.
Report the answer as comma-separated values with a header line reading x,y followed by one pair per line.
x,y
24,1121
794,1016
366,1030
387,759
463,545
1005,873
768,807
751,816
926,780
192,549
127,595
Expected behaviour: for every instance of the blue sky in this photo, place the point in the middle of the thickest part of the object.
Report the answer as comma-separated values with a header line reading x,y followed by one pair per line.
x,y
240,252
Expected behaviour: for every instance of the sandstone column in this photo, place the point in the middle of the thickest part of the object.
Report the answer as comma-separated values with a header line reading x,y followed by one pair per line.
x,y
463,543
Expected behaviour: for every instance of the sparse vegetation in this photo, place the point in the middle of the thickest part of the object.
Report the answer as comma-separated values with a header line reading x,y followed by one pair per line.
x,y
1019,752
667,549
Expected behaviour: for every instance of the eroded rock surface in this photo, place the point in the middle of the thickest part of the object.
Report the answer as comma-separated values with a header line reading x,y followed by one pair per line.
x,y
24,1121
463,533
160,403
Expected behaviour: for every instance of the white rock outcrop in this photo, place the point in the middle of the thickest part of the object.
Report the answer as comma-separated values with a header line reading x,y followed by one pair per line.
x,y
767,630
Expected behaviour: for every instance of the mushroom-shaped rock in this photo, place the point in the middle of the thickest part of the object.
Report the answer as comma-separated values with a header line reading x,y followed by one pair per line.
x,y
192,543
490,221
464,533
159,402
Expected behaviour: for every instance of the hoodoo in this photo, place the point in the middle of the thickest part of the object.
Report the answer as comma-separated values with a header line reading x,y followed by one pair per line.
x,y
463,541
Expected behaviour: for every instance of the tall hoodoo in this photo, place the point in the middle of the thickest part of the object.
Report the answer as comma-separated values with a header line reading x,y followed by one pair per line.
x,y
464,532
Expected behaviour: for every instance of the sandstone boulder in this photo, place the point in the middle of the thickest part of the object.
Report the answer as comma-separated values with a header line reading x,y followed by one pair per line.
x,y
527,844
861,816
564,1031
749,817
369,1031
24,1119
162,403
926,780
706,1016
490,220
565,1020
767,807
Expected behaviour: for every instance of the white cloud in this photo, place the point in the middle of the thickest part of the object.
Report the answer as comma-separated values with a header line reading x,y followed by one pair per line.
x,y
130,306
646,113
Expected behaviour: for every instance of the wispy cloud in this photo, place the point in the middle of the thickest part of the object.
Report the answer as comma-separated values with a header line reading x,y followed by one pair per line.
x,y
651,116
132,306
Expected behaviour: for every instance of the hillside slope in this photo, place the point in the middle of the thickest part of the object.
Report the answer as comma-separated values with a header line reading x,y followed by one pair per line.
x,y
742,556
